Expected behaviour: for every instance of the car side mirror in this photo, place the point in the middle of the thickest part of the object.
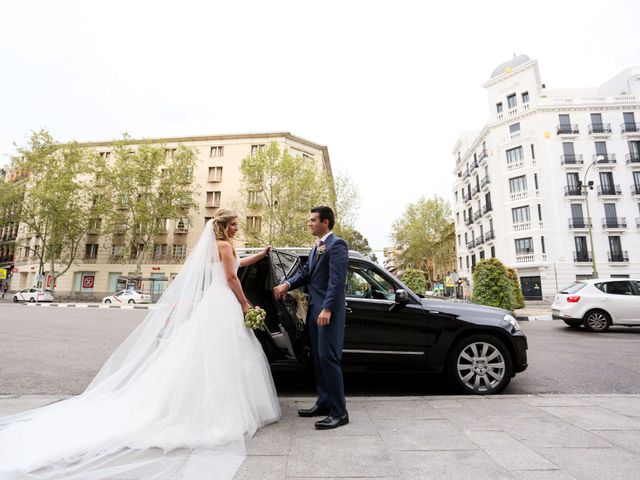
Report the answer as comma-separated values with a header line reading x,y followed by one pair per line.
x,y
402,296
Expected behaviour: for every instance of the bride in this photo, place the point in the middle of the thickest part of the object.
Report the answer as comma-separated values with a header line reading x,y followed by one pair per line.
x,y
175,400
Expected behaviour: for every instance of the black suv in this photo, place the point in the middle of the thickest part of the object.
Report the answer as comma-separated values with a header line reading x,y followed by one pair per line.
x,y
389,327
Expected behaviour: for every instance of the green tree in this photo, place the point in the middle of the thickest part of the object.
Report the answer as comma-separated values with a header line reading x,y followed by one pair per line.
x,y
53,185
423,235
415,280
281,188
354,239
148,185
493,285
517,291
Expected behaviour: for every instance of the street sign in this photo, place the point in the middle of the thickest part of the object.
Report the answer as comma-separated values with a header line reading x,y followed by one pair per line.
x,y
454,277
448,282
3,273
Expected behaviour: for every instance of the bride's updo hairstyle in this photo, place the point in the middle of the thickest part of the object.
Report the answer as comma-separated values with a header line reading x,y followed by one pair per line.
x,y
220,224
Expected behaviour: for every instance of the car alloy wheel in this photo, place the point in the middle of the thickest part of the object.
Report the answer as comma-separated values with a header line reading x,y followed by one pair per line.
x,y
597,321
480,364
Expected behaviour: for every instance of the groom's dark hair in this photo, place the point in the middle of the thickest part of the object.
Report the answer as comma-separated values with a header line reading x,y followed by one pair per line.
x,y
325,213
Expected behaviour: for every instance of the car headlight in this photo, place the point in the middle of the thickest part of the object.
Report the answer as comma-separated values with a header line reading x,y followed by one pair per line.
x,y
512,320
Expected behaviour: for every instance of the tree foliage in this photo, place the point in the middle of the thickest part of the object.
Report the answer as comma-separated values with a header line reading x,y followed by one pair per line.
x,y
517,291
280,188
424,233
415,280
493,285
148,184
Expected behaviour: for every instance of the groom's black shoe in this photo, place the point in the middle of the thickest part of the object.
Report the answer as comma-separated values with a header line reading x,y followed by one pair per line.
x,y
315,411
332,422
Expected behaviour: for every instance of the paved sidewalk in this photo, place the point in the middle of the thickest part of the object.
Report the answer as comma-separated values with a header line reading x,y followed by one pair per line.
x,y
526,437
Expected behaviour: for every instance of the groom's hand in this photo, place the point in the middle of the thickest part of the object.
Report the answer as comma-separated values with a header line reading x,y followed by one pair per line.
x,y
324,318
280,291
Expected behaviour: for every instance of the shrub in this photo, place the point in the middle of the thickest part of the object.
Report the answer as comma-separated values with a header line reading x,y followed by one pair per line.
x,y
493,285
415,280
517,291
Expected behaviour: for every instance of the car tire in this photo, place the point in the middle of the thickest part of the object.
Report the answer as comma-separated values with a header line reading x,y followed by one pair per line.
x,y
596,321
15,299
480,365
32,300
131,301
573,323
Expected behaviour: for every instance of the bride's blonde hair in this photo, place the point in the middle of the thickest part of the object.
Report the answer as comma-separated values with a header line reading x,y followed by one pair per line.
x,y
220,223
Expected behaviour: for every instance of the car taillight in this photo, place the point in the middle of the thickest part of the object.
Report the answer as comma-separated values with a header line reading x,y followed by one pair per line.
x,y
573,298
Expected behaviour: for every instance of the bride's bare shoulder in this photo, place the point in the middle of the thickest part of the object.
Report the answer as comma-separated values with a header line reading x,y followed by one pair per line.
x,y
224,247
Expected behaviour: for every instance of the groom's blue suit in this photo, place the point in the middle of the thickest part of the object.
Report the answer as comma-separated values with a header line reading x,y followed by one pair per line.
x,y
325,275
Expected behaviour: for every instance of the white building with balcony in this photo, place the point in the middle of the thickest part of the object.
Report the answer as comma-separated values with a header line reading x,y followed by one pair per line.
x,y
517,191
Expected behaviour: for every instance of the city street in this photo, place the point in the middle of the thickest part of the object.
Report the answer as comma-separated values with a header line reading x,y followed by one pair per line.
x,y
59,350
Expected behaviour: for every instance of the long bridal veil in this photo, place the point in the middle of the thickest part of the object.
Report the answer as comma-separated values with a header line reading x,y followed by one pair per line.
x,y
167,403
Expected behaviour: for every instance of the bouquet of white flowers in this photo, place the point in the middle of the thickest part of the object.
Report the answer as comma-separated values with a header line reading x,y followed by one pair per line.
x,y
254,318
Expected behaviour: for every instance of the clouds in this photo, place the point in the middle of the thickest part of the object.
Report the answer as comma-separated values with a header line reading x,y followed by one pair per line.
x,y
387,86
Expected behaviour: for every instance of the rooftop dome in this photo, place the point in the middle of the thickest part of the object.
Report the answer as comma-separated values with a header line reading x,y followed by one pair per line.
x,y
510,65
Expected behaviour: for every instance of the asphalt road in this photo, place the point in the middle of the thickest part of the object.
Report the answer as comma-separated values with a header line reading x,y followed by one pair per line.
x,y
59,350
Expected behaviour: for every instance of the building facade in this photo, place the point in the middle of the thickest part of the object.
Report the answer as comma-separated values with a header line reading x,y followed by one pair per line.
x,y
217,176
548,164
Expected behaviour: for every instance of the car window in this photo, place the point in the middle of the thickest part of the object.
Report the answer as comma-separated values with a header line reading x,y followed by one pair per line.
x,y
637,285
364,282
119,294
33,290
571,289
283,264
617,288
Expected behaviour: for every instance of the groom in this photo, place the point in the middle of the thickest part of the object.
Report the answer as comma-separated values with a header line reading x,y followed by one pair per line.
x,y
325,275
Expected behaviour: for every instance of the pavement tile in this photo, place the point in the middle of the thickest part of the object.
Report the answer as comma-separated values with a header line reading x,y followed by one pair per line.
x,y
594,418
11,405
340,456
400,409
629,406
556,401
543,475
595,463
551,432
422,435
509,452
502,407
449,465
627,439
467,419
274,439
359,424
263,467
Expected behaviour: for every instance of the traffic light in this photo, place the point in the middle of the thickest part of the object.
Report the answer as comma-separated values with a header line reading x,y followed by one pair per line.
x,y
459,281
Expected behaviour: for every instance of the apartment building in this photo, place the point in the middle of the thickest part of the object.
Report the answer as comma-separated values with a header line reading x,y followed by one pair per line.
x,y
547,165
101,266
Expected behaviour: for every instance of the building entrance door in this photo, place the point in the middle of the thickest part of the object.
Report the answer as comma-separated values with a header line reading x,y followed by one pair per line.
x,y
531,288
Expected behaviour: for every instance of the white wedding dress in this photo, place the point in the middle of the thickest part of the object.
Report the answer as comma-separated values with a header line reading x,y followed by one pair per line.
x,y
175,401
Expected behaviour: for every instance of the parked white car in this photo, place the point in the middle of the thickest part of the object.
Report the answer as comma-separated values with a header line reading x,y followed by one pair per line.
x,y
127,296
33,295
599,303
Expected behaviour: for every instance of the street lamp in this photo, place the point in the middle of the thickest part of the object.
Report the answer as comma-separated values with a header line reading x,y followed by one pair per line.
x,y
584,188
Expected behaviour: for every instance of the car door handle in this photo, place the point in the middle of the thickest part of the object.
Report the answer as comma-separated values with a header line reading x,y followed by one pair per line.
x,y
348,310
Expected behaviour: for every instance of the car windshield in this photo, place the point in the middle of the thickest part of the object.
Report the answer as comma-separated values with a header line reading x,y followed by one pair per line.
x,y
576,287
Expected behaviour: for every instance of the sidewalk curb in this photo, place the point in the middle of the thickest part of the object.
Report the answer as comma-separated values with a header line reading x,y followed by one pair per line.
x,y
534,318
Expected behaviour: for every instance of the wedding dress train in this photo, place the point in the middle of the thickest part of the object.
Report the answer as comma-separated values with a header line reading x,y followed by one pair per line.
x,y
176,400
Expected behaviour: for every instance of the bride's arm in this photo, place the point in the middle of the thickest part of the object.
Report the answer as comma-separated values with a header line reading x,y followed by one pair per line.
x,y
229,265
256,257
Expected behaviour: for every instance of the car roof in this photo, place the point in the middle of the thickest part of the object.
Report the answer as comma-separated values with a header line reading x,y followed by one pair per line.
x,y
592,281
299,251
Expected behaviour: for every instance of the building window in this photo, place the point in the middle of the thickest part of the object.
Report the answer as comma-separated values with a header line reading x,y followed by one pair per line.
x,y
213,199
606,183
105,155
512,101
543,247
629,122
217,151
91,250
457,218
170,152
533,152
117,251
524,245
160,250
535,180
179,251
481,254
460,262
520,215
515,128
514,155
499,107
254,223
518,184
257,148
182,225
467,262
493,251
466,238
459,240
539,212
615,249
525,97
215,174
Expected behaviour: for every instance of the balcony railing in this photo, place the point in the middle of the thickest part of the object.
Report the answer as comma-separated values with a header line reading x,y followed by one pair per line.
x,y
470,245
517,227
482,155
632,158
530,257
572,190
466,174
486,208
581,256
489,236
609,190
568,129
578,222
473,166
476,215
474,191
466,197
618,256
629,127
571,159
485,181
599,128
468,221
181,229
604,158
480,240
614,222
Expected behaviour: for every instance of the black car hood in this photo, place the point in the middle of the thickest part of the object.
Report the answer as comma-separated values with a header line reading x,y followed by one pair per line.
x,y
466,311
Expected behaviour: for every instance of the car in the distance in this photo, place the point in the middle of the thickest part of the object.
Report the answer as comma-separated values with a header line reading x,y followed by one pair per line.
x,y
599,303
128,297
389,327
33,295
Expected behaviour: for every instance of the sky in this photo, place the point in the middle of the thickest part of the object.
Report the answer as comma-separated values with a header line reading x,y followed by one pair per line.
x,y
387,86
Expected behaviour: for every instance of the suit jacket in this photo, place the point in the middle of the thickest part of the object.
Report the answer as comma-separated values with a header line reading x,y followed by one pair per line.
x,y
325,275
